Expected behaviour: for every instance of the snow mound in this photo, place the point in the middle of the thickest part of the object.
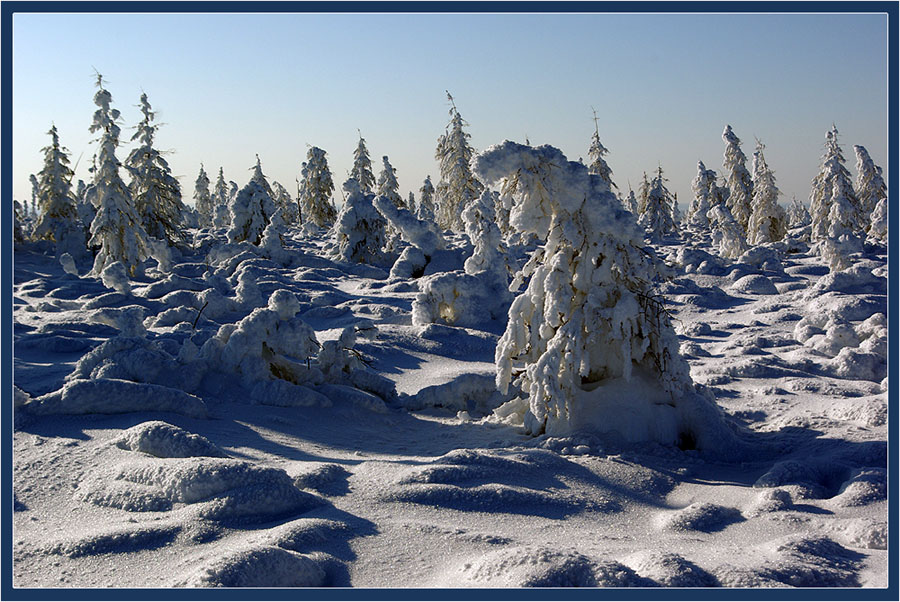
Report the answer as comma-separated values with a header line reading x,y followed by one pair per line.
x,y
163,440
865,486
481,481
474,393
115,276
116,541
794,472
113,396
754,284
303,534
866,533
224,489
700,516
671,570
321,478
770,500
529,566
259,567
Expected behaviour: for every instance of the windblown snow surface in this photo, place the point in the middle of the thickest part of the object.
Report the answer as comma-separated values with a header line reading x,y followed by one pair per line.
x,y
137,465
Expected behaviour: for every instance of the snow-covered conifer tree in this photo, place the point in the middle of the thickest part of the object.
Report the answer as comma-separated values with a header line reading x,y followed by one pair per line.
x,y
798,215
203,202
588,319
18,219
630,203
425,210
878,225
727,235
411,202
316,188
117,228
362,167
768,222
700,205
740,183
156,193
252,209
870,186
359,228
596,153
58,215
285,203
221,217
657,219
457,187
643,194
388,185
823,188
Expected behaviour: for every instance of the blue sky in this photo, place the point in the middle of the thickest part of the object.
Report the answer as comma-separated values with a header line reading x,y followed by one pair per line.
x,y
664,86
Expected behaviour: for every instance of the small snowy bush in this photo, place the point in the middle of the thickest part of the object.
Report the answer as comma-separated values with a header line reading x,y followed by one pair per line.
x,y
359,230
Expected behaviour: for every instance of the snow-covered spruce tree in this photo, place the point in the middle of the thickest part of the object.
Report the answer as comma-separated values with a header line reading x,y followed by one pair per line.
x,y
588,342
221,217
657,218
480,293
156,193
696,214
768,222
362,167
870,186
457,186
596,153
727,235
252,209
58,215
878,226
316,188
203,202
643,195
630,203
18,219
116,228
843,228
425,209
286,204
387,183
411,202
820,197
740,183
358,231
798,215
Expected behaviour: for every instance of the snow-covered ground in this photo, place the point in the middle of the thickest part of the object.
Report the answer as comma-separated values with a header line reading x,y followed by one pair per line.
x,y
158,459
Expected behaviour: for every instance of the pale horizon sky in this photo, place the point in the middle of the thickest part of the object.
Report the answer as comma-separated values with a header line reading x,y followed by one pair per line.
x,y
230,86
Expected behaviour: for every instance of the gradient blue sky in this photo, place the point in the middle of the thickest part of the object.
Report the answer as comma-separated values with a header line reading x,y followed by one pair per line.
x,y
664,86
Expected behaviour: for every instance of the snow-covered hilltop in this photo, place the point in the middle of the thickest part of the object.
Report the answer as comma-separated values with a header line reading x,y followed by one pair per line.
x,y
525,380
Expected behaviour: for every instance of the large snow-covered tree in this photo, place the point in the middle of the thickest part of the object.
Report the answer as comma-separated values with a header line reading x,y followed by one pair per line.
x,y
823,188
156,193
117,227
870,186
768,221
316,188
362,167
458,186
203,202
286,204
588,326
58,215
657,218
740,182
252,209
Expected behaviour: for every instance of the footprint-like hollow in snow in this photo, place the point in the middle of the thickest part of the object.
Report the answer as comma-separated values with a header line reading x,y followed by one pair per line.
x,y
163,440
221,489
